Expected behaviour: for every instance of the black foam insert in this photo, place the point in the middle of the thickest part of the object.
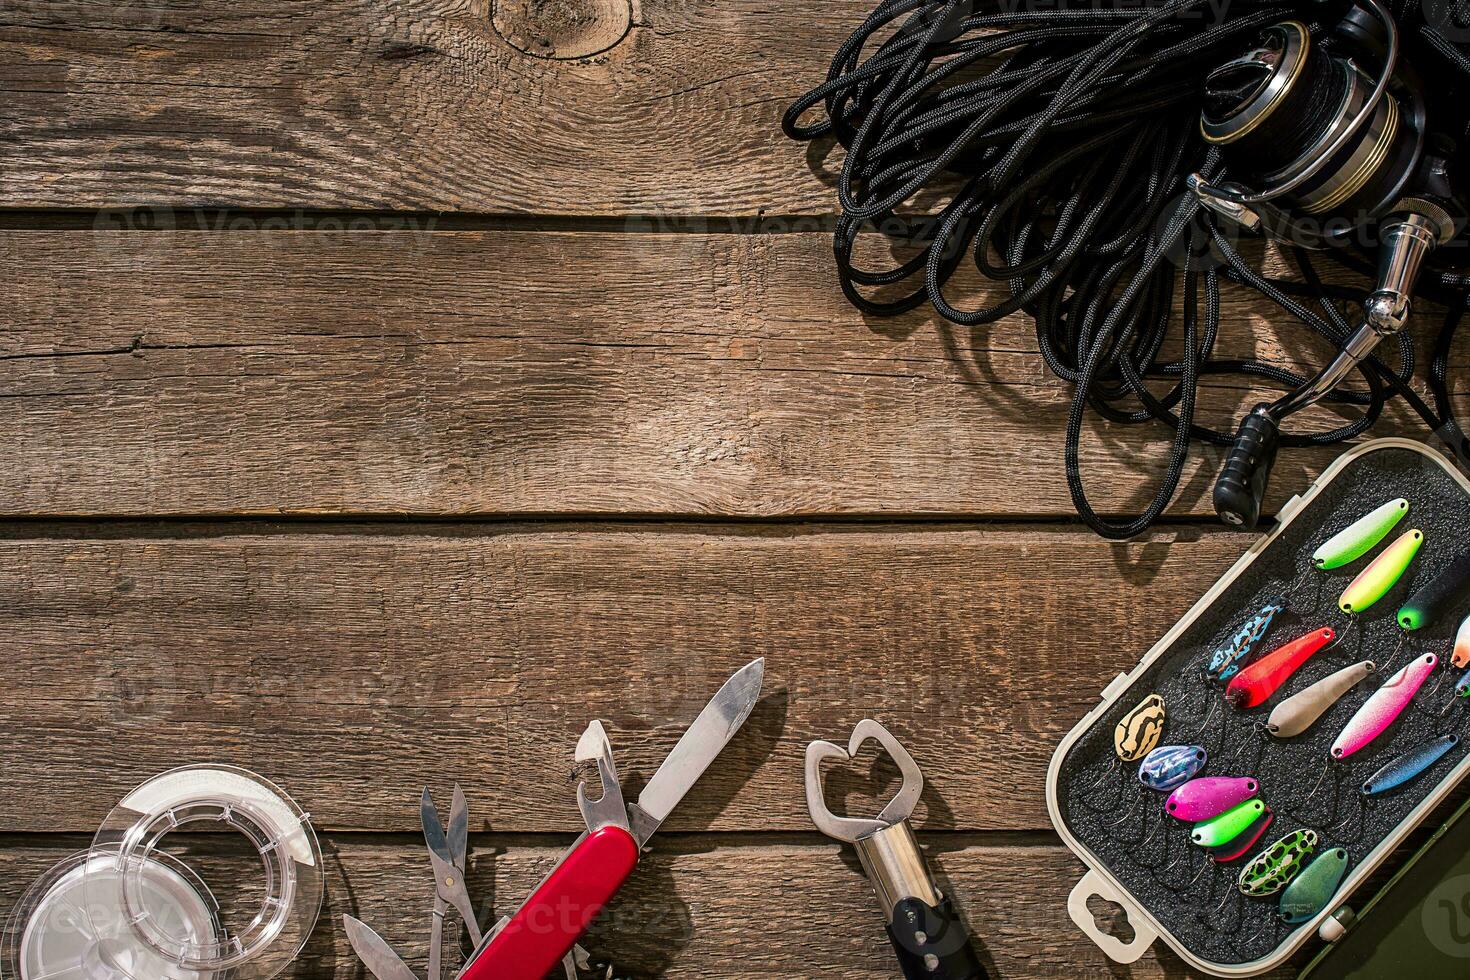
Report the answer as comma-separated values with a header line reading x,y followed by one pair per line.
x,y
1123,823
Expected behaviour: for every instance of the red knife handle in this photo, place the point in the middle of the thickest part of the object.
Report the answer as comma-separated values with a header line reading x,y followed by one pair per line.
x,y
556,915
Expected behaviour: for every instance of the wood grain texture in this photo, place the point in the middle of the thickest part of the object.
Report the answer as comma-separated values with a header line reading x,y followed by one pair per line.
x,y
356,665
523,372
702,908
578,107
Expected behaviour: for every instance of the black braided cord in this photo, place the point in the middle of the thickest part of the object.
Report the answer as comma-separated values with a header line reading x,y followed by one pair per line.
x,y
1056,142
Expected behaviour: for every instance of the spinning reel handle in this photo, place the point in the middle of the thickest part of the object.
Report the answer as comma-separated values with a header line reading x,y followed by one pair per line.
x,y
1408,238
1241,486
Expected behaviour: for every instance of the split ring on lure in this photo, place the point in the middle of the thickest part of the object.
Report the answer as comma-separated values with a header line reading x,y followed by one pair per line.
x,y
1359,538
1383,574
1170,766
1438,596
1409,765
1314,887
1227,661
1461,657
1241,846
1204,799
1300,711
1138,732
1225,827
1260,680
1385,705
1270,871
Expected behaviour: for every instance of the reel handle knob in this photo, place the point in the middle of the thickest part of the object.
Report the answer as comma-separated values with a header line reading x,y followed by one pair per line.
x,y
1241,487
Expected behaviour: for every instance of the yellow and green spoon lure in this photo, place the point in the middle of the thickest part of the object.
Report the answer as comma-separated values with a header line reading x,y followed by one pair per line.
x,y
1382,574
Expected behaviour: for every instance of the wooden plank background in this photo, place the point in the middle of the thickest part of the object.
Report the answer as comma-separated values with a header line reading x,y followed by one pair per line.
x,y
392,386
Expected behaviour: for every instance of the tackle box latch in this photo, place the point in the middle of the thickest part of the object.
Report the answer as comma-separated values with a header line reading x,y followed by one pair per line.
x,y
1115,686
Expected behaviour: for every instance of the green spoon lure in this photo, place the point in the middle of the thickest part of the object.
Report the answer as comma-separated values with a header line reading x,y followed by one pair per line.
x,y
1228,825
1272,869
1358,538
1314,887
1374,581
1437,598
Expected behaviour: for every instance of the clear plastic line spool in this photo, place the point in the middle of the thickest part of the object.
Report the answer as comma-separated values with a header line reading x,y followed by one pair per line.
x,y
128,910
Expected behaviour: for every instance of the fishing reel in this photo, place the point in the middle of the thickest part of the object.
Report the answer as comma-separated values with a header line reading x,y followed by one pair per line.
x,y
1335,153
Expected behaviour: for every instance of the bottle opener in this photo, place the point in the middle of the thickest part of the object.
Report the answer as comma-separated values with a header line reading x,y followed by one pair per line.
x,y
925,929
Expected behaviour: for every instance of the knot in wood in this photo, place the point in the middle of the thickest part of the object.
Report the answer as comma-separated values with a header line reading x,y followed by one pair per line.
x,y
563,29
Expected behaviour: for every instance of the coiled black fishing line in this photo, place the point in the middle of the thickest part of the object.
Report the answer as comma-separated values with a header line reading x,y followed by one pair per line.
x,y
1057,141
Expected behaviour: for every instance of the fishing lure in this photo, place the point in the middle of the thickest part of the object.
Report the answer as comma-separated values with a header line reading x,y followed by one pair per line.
x,y
1355,541
1438,596
1385,705
1374,581
1170,766
1227,661
1260,680
1270,871
1462,689
1461,657
1409,765
1139,730
1203,799
1300,711
1314,887
1242,844
1225,827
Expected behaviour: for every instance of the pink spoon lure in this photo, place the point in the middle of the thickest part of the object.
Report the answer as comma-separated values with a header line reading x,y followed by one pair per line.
x,y
1386,704
1208,797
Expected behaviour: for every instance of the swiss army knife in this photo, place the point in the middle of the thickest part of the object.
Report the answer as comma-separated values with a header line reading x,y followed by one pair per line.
x,y
544,932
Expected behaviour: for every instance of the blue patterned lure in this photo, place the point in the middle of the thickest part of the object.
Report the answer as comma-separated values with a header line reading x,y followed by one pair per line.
x,y
1170,766
1462,689
1409,766
1226,662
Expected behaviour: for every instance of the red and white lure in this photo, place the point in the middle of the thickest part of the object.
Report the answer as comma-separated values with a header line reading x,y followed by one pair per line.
x,y
1253,685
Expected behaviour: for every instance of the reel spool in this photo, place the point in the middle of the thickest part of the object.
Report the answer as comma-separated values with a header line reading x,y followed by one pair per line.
x,y
1330,143
1334,151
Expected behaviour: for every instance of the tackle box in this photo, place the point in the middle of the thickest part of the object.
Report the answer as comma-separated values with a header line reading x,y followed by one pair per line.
x,y
1192,906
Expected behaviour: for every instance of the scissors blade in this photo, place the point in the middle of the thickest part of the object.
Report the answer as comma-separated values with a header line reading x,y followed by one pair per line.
x,y
704,740
433,829
459,829
375,954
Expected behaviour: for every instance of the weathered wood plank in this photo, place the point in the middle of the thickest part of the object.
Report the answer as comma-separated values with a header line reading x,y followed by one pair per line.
x,y
355,665
586,107
699,907
531,373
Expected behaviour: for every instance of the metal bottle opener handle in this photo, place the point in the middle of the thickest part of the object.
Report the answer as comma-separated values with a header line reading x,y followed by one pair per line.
x,y
928,936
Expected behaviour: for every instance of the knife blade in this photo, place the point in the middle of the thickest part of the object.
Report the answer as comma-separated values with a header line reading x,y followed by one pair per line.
x,y
701,743
375,954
